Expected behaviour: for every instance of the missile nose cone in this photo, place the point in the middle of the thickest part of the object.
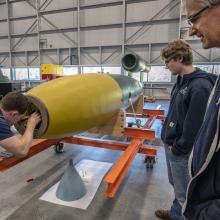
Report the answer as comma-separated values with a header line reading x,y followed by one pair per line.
x,y
71,186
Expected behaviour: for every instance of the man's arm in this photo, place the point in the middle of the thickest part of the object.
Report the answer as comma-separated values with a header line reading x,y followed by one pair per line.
x,y
21,145
209,211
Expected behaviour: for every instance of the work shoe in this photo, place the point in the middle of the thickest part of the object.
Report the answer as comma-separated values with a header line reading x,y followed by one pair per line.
x,y
163,214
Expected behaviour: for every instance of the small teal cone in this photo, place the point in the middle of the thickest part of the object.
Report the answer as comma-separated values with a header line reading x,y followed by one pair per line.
x,y
71,186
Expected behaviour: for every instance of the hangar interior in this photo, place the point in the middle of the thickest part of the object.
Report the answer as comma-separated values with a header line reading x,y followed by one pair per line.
x,y
81,37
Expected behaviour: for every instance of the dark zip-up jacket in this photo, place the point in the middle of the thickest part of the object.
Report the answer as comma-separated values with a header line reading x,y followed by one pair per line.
x,y
189,98
203,194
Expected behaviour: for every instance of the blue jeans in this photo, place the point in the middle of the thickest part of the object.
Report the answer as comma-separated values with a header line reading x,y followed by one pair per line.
x,y
178,176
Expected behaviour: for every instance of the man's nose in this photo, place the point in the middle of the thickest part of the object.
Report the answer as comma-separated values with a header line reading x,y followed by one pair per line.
x,y
192,31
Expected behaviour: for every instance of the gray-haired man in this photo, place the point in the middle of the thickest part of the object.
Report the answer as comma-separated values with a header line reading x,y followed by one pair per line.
x,y
203,194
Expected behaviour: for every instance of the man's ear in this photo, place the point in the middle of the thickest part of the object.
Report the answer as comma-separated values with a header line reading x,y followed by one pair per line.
x,y
15,113
180,59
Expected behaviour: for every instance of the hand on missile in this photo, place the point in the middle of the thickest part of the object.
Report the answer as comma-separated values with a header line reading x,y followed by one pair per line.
x,y
33,120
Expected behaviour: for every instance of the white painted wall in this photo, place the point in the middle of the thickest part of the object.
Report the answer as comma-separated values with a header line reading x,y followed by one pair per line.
x,y
215,55
64,56
101,16
49,56
111,56
27,44
3,28
60,41
92,2
4,45
19,59
90,56
147,11
22,9
3,11
4,62
104,37
60,20
21,26
33,59
58,4
100,37
157,33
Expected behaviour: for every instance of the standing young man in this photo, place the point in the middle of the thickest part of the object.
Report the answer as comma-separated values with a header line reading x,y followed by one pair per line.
x,y
187,108
12,107
203,194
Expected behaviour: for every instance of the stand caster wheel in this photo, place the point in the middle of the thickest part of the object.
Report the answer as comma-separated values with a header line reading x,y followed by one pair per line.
x,y
59,148
150,161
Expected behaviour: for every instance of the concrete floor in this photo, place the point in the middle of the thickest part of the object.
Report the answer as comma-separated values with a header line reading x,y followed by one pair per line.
x,y
141,193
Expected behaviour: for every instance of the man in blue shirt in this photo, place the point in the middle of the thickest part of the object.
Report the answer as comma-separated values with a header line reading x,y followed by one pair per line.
x,y
203,194
12,107
190,92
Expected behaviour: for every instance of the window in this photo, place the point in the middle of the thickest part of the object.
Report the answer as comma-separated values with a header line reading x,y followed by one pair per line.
x,y
111,69
156,74
91,69
207,68
6,72
21,73
137,76
159,74
34,73
70,70
216,69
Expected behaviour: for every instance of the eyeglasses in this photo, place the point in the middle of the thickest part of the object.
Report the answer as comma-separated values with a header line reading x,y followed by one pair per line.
x,y
193,18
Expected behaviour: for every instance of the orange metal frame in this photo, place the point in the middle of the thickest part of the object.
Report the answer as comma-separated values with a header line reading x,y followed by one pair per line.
x,y
116,175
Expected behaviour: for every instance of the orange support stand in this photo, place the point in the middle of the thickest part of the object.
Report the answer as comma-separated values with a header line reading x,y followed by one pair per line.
x,y
112,145
154,112
142,133
120,168
150,121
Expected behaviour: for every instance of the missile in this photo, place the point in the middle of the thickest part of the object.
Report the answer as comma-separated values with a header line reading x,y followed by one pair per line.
x,y
73,104
134,63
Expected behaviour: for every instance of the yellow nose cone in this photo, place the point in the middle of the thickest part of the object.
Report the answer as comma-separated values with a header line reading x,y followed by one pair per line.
x,y
75,103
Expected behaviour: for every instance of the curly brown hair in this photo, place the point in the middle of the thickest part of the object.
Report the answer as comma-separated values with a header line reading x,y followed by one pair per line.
x,y
15,101
178,49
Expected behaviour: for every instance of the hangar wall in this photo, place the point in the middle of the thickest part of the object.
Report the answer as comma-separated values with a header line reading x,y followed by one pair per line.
x,y
90,32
